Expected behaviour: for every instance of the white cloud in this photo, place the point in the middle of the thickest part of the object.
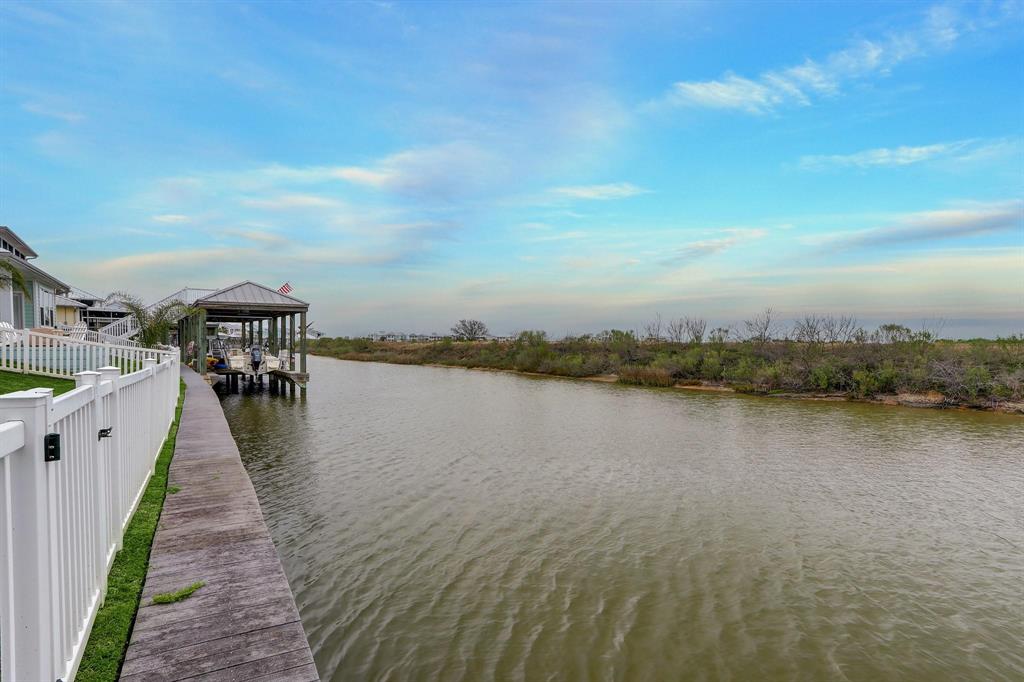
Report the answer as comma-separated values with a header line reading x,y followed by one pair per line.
x,y
171,218
50,111
438,172
618,190
800,84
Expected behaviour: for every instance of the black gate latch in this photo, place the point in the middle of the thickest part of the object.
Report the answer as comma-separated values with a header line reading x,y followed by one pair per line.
x,y
51,447
105,433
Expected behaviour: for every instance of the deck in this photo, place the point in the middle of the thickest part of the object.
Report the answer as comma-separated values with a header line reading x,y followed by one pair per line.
x,y
243,625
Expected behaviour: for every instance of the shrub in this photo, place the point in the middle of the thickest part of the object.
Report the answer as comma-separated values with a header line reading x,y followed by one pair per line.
x,y
711,368
827,377
744,372
864,383
977,381
645,376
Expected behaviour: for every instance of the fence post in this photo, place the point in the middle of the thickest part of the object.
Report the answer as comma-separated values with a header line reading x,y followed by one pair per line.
x,y
151,432
31,568
101,482
115,456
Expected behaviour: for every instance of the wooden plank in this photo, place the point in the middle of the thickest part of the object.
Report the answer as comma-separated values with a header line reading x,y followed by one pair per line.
x,y
214,655
243,624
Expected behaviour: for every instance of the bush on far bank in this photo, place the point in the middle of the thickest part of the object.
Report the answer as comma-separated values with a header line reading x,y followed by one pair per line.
x,y
893,359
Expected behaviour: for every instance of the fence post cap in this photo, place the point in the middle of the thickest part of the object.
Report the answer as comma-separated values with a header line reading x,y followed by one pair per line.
x,y
31,396
86,377
108,369
148,362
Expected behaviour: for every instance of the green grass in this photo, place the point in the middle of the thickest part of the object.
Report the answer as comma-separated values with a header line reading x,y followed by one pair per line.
x,y
113,627
16,381
173,490
177,595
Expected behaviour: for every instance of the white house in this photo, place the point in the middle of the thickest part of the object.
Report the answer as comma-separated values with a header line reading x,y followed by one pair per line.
x,y
39,309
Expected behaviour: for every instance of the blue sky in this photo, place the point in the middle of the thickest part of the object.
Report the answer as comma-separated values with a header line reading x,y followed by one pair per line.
x,y
570,167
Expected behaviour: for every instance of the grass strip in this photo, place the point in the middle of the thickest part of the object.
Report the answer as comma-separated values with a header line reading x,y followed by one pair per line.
x,y
177,595
104,653
16,381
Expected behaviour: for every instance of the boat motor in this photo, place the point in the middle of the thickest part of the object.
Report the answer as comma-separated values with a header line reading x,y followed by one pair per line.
x,y
256,355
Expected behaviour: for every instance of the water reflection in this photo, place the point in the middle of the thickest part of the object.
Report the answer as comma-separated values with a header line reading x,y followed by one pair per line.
x,y
445,524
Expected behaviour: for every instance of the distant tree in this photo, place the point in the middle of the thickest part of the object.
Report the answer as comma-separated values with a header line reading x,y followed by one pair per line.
x,y
675,330
893,333
695,329
761,328
154,322
469,330
652,330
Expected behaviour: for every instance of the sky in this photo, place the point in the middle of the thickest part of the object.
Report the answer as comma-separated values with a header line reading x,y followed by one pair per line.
x,y
567,167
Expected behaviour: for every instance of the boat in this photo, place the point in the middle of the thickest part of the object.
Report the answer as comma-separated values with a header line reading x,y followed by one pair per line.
x,y
254,361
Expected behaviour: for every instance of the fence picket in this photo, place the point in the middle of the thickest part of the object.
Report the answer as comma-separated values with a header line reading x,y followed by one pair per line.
x,y
67,518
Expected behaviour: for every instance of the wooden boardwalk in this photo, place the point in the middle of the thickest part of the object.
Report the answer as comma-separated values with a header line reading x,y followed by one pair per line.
x,y
243,625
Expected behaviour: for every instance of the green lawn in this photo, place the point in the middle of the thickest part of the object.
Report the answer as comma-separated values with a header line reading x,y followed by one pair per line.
x,y
113,627
16,381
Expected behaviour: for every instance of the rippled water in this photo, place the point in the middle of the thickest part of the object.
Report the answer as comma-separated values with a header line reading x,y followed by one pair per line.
x,y
443,524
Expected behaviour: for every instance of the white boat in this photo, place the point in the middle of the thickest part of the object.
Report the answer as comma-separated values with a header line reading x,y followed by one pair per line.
x,y
253,361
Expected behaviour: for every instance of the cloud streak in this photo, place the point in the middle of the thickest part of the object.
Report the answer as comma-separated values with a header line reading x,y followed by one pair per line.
x,y
287,202
171,218
801,84
443,171
709,247
617,190
884,156
927,226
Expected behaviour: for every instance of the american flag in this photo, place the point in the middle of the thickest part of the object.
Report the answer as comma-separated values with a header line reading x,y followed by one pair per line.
x,y
286,288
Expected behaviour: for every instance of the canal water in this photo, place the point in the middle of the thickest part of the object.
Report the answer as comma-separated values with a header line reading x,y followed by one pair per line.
x,y
445,524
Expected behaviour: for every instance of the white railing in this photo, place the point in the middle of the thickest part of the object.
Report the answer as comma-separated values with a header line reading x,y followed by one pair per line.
x,y
60,356
77,333
62,521
123,327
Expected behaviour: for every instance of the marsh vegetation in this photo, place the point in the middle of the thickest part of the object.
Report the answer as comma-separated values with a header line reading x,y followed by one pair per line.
x,y
814,355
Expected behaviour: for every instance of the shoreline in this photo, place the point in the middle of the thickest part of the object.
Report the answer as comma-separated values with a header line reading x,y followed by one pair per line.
x,y
932,400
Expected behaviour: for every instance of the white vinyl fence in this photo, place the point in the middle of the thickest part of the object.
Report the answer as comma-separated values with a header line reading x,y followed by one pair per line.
x,y
62,520
61,356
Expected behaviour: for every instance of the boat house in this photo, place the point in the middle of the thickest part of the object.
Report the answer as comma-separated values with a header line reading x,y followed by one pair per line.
x,y
267,317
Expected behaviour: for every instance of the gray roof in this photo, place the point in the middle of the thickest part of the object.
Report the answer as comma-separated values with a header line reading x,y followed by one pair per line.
x,y
250,295
13,239
188,296
65,302
83,295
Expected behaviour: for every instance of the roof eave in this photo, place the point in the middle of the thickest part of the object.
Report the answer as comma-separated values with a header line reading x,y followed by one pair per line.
x,y
35,273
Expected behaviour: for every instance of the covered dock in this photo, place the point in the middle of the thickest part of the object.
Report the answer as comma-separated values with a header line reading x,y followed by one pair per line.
x,y
267,317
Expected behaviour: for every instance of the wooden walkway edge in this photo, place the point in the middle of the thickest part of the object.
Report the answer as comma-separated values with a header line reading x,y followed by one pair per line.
x,y
243,624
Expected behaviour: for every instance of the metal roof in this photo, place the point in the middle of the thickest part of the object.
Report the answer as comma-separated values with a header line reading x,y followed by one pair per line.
x,y
65,302
188,296
83,295
250,295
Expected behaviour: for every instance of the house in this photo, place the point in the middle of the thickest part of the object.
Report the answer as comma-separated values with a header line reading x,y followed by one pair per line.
x,y
70,311
39,307
98,311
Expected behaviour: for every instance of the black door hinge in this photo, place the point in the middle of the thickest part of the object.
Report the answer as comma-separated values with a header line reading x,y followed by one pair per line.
x,y
105,433
51,447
